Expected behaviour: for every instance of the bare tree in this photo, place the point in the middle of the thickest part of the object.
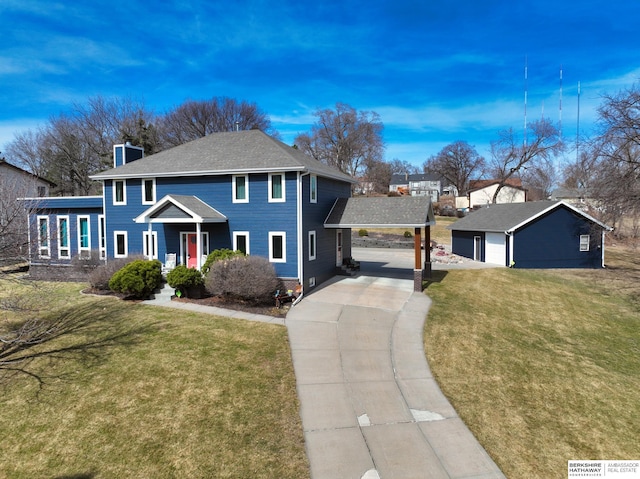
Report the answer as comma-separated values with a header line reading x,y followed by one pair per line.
x,y
511,157
540,178
617,185
457,163
344,138
195,119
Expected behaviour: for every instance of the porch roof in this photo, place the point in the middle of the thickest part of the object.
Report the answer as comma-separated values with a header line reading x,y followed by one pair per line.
x,y
181,209
381,212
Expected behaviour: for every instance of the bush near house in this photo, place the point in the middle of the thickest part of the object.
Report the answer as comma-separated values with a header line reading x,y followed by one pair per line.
x,y
185,281
101,275
219,255
250,278
137,279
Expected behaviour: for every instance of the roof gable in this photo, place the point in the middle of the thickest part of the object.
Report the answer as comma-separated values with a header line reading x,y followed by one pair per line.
x,y
234,152
180,209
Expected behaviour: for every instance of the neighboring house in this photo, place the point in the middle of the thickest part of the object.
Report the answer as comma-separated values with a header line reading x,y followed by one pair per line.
x,y
481,193
239,190
16,183
538,234
579,197
21,182
417,185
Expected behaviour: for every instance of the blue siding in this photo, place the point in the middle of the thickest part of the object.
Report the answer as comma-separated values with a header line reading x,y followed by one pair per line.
x,y
258,216
314,215
462,243
553,241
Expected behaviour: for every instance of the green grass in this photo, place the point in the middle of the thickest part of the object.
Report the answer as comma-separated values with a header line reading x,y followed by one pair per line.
x,y
163,394
541,365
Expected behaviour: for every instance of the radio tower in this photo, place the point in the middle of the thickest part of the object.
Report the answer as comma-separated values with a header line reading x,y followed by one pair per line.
x,y
560,113
526,61
578,127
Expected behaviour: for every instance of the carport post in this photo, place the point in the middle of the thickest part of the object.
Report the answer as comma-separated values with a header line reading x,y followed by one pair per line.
x,y
417,269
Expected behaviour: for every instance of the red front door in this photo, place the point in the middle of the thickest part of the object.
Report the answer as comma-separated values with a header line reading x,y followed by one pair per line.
x,y
192,250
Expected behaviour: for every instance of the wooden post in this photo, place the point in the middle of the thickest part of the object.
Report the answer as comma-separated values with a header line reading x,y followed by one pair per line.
x,y
417,248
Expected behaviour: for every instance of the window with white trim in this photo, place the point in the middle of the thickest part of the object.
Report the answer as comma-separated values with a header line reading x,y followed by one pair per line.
x,y
102,236
312,245
240,186
278,246
148,191
150,244
276,188
313,189
584,242
63,237
119,192
43,237
84,237
241,241
121,244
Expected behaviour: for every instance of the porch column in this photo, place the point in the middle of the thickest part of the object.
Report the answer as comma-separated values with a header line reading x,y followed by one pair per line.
x,y
427,251
417,269
199,245
150,242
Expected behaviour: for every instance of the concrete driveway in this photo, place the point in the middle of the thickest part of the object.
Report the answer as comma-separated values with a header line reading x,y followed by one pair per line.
x,y
370,407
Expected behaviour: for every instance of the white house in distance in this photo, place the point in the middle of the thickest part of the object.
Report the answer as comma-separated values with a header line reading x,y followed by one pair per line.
x,y
417,185
481,193
21,183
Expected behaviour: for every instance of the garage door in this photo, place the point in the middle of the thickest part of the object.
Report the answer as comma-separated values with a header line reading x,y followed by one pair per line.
x,y
495,248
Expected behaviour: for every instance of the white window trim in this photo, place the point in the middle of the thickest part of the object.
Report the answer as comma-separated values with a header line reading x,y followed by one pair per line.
x,y
270,184
273,234
235,240
124,192
313,245
154,244
115,244
584,245
61,249
246,189
144,191
313,190
86,249
44,251
102,237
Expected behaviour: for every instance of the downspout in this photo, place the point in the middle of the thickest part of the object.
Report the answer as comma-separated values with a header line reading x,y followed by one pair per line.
x,y
300,249
510,235
602,243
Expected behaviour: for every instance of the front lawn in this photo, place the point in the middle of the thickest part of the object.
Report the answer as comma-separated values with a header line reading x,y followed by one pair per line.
x,y
541,365
148,392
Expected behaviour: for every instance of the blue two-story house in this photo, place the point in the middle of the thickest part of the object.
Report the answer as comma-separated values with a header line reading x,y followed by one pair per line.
x,y
240,190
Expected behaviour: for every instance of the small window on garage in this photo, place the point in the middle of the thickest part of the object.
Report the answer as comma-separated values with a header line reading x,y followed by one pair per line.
x,y
584,242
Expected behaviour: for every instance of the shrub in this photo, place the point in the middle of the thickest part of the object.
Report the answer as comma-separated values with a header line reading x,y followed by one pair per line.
x,y
182,278
407,234
137,279
87,264
219,255
363,232
250,278
100,276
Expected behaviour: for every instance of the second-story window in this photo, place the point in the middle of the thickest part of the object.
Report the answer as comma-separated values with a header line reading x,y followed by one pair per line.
x,y
313,189
119,192
148,191
240,187
276,187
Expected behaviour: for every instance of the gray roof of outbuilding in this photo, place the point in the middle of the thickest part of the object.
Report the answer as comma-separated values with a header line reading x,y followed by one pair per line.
x,y
236,152
381,212
509,216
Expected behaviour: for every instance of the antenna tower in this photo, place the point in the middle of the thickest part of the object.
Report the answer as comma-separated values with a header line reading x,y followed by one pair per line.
x,y
578,127
560,112
526,86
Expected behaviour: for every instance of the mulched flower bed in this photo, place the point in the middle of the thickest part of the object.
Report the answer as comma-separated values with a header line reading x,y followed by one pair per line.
x,y
267,309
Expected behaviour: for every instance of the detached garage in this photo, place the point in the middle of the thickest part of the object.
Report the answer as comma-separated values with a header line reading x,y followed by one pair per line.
x,y
540,234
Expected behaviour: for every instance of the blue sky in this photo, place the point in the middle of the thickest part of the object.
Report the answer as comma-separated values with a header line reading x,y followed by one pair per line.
x,y
435,72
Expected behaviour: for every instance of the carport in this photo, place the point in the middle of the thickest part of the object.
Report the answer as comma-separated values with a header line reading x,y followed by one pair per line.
x,y
390,212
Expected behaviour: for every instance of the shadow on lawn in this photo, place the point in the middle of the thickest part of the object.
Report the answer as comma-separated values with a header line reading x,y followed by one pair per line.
x,y
437,276
86,475
85,334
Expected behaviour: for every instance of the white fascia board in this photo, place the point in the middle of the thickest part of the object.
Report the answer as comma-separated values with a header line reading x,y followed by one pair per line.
x,y
552,207
380,226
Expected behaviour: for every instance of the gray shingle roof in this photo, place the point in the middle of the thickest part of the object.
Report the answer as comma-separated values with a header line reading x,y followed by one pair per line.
x,y
178,207
508,216
223,153
389,212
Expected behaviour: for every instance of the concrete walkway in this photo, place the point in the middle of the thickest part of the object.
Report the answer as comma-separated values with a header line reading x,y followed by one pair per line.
x,y
370,407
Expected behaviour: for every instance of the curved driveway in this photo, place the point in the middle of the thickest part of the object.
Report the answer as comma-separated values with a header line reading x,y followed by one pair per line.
x,y
370,407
